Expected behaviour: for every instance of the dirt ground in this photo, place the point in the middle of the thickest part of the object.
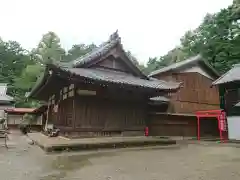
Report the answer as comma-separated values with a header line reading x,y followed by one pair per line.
x,y
187,162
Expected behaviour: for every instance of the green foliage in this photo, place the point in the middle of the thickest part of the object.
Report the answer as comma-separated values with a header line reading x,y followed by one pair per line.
x,y
49,49
217,38
79,50
20,69
27,119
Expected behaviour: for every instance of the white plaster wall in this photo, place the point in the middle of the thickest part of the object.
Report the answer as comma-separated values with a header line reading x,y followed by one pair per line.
x,y
39,120
234,127
14,119
199,70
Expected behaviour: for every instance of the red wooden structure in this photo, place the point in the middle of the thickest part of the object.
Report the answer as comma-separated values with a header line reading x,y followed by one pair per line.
x,y
221,118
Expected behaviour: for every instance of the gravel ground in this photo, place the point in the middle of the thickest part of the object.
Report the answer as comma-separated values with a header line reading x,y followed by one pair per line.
x,y
188,162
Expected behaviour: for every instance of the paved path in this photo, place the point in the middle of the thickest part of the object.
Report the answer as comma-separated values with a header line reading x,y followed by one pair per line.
x,y
205,161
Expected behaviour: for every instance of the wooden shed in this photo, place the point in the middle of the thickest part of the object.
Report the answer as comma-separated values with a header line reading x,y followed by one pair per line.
x,y
229,86
6,101
196,94
100,94
14,116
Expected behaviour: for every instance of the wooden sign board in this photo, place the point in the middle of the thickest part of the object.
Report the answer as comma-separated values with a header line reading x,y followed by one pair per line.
x,y
86,92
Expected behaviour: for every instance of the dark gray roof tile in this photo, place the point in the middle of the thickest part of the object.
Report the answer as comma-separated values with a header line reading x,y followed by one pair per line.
x,y
190,61
122,78
231,76
98,51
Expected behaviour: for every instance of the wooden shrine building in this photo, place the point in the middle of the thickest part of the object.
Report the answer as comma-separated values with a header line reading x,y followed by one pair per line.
x,y
177,116
229,87
100,94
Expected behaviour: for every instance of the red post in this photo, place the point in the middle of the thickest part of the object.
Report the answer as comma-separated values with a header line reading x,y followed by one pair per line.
x,y
146,131
220,128
198,127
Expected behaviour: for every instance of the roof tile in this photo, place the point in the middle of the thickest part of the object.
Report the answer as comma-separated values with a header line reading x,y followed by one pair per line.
x,y
122,78
230,76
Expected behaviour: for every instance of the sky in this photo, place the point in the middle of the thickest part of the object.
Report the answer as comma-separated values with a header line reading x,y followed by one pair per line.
x,y
148,28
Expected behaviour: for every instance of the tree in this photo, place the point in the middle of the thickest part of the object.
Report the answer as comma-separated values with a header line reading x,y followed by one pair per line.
x,y
49,49
79,50
217,39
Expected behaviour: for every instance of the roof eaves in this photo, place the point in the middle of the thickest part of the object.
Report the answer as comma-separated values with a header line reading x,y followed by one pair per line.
x,y
39,83
220,79
104,76
214,71
176,65
180,64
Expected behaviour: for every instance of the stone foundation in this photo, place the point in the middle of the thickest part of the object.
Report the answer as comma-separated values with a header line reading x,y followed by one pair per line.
x,y
74,134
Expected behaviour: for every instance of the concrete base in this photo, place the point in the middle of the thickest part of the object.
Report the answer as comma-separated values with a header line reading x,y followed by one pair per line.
x,y
49,144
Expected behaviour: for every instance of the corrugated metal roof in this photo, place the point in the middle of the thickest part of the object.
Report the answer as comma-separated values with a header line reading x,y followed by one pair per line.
x,y
122,78
181,64
20,110
230,76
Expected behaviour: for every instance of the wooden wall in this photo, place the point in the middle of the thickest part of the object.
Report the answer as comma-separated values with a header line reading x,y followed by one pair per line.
x,y
171,125
107,113
195,95
181,125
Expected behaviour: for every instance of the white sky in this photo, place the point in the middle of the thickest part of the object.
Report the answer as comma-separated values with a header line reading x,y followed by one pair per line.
x,y
148,28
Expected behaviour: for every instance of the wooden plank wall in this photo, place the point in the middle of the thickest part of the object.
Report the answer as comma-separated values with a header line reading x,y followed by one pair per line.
x,y
92,116
169,125
196,93
108,115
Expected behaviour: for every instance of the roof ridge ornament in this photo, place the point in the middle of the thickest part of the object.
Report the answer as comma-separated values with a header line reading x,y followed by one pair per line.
x,y
115,36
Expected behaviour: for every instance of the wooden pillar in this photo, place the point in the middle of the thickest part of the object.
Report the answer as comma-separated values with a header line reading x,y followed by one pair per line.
x,y
222,92
46,123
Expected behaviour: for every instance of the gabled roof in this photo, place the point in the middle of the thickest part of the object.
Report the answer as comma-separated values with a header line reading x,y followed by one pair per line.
x,y
186,63
105,76
117,77
232,75
96,54
80,69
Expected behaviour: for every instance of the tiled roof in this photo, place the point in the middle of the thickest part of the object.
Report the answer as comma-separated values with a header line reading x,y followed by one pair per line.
x,y
102,50
82,68
99,51
187,62
230,76
122,78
